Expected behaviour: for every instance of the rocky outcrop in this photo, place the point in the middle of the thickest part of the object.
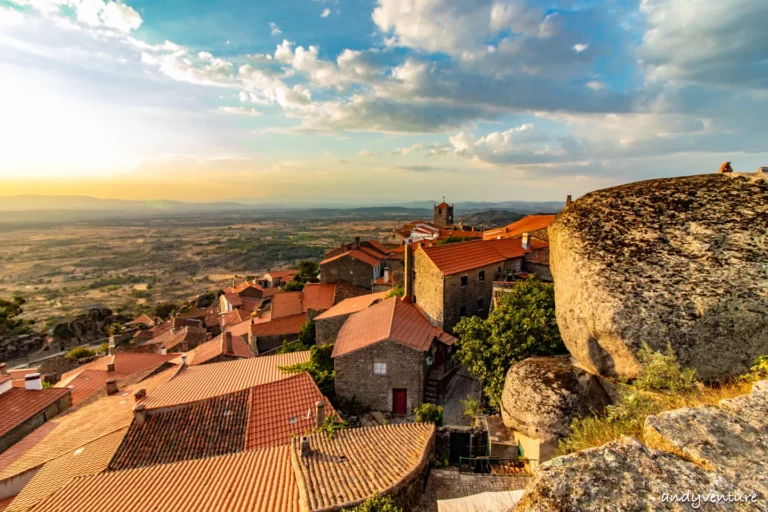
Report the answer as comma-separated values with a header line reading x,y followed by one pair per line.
x,y
542,395
681,261
21,345
89,327
699,451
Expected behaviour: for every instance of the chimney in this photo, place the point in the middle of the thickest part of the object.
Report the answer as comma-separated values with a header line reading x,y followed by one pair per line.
x,y
139,395
320,413
357,242
526,240
139,414
408,295
111,367
386,275
725,168
3,370
305,450
33,382
183,360
111,387
228,342
163,351
173,330
568,201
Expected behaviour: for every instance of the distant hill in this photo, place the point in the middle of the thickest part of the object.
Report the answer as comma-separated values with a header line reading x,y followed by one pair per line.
x,y
489,219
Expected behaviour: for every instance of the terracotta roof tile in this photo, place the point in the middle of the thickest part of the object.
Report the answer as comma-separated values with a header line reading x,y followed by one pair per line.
x,y
211,427
216,347
538,256
175,337
88,459
17,376
233,299
196,383
82,425
27,443
356,254
281,326
516,229
19,405
234,317
463,256
391,319
318,296
287,304
268,292
143,319
282,409
248,481
5,502
352,305
356,463
376,245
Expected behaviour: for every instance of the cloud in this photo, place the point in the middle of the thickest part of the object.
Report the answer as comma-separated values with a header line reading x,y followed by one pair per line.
x,y
203,69
326,12
420,168
274,29
239,111
96,13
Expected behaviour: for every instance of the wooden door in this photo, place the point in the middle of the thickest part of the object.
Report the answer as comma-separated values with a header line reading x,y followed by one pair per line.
x,y
399,401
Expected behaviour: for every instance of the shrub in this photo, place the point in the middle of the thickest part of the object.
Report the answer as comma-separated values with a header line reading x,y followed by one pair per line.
x,y
377,503
471,407
294,346
307,334
319,366
103,348
80,353
292,286
165,310
331,424
397,291
760,368
663,372
429,413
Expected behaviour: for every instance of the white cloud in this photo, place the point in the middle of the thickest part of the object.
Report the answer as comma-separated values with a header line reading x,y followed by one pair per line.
x,y
295,97
240,111
95,13
580,47
326,12
203,70
274,29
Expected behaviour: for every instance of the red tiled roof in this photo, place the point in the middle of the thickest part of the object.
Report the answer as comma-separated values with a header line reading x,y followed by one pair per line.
x,y
215,426
318,296
281,326
463,256
216,347
286,304
233,299
234,317
391,319
524,225
171,339
538,256
143,319
28,442
352,305
19,405
340,473
261,480
373,252
5,502
282,273
282,409
269,292
196,383
443,205
126,363
358,255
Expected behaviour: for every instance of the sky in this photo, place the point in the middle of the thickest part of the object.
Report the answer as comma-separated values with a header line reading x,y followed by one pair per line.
x,y
382,101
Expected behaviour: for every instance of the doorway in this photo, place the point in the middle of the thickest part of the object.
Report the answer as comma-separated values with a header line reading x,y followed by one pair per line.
x,y
399,401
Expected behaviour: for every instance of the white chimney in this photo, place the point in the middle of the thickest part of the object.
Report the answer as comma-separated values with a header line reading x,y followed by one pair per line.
x,y
183,360
33,382
163,351
386,275
526,240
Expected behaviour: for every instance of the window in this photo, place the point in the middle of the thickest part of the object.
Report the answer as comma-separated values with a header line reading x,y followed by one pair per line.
x,y
480,304
481,275
379,368
464,281
463,311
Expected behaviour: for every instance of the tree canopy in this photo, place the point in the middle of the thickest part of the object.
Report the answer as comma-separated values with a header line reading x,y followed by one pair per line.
x,y
522,325
10,316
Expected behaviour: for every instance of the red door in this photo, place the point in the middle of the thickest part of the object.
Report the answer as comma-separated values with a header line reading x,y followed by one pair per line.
x,y
399,401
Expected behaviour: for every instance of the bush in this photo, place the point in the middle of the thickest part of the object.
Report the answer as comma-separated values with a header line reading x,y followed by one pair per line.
x,y
80,353
307,334
319,366
165,310
397,291
103,349
331,425
471,408
292,286
294,346
663,372
377,503
429,413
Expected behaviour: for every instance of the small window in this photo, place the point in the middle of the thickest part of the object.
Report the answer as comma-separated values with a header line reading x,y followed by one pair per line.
x,y
463,311
464,280
293,419
379,368
481,275
480,304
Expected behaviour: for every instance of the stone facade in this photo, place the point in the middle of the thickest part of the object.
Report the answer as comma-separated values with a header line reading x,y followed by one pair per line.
x,y
445,299
405,370
326,329
542,272
349,270
443,215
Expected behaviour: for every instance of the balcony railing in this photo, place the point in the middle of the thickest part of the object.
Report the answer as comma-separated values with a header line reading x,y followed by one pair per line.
x,y
492,466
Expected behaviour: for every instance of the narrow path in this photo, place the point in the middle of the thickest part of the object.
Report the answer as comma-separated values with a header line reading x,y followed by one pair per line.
x,y
461,386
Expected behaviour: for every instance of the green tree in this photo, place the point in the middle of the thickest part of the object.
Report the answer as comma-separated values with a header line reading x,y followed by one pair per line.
x,y
10,313
429,413
397,291
165,310
377,503
319,366
293,286
522,325
307,269
307,334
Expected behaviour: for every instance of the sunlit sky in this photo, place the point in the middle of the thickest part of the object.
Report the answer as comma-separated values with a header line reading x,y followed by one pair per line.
x,y
381,101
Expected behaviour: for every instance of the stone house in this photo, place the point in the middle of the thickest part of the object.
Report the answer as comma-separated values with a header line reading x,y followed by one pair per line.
x,y
22,410
389,356
358,263
443,214
276,279
535,225
329,323
452,281
246,289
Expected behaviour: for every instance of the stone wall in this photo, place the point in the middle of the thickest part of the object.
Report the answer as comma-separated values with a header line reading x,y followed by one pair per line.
x,y
478,441
327,329
349,270
405,370
262,344
52,369
428,287
542,272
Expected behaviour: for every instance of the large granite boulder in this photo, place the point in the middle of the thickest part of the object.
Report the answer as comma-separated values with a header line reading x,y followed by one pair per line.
x,y
89,327
680,260
693,452
542,395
